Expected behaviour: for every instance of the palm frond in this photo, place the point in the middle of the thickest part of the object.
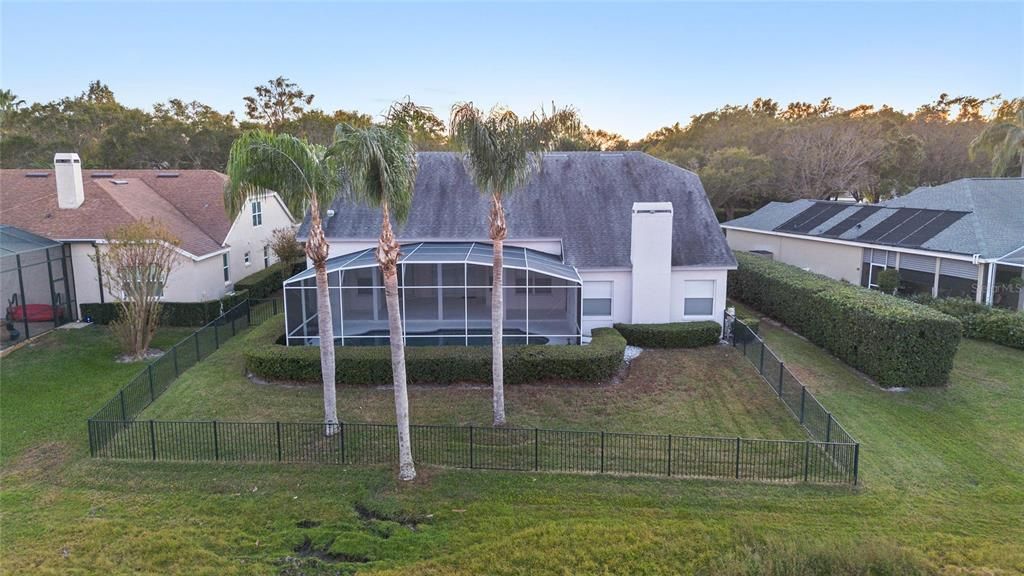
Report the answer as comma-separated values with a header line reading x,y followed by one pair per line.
x,y
261,162
1003,140
379,163
500,149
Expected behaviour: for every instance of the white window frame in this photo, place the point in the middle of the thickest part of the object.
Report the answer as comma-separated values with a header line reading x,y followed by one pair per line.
x,y
686,291
247,258
266,256
257,213
610,298
226,261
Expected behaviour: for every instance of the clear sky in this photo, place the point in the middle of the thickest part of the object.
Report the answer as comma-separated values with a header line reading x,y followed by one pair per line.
x,y
629,68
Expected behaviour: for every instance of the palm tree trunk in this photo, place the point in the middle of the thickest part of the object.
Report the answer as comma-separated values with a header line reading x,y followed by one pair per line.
x,y
317,249
387,257
498,231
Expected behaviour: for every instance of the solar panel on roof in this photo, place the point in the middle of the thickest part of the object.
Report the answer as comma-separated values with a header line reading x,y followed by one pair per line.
x,y
793,223
930,230
885,226
909,226
851,221
820,218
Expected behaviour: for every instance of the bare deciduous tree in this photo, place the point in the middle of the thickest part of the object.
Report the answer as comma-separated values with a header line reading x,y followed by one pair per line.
x,y
135,266
828,158
285,246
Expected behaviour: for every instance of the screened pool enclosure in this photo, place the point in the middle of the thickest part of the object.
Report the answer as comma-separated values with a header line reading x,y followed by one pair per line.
x,y
444,289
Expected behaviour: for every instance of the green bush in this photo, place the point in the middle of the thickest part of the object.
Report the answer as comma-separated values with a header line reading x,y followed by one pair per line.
x,y
889,280
982,322
672,335
174,313
367,365
267,281
897,342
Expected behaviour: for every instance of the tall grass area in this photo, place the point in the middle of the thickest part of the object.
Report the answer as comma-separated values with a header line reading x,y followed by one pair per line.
x,y
943,493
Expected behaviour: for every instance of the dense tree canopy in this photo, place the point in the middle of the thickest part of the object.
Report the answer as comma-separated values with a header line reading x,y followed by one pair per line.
x,y
745,154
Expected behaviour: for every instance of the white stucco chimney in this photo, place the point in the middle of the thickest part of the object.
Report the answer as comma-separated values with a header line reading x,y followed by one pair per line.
x,y
67,167
651,255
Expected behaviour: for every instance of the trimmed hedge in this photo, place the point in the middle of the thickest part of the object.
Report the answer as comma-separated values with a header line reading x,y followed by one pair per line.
x,y
371,365
269,280
672,335
895,341
174,313
980,321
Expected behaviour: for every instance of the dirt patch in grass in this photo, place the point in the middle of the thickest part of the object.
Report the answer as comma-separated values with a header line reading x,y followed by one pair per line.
x,y
40,461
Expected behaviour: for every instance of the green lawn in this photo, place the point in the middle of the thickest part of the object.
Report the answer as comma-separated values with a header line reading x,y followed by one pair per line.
x,y
710,391
943,473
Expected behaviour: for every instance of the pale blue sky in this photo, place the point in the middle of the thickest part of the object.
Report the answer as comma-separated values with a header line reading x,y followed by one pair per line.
x,y
629,68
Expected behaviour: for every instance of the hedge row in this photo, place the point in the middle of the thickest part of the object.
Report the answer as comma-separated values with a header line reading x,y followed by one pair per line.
x,y
980,321
370,365
174,313
897,342
673,335
269,280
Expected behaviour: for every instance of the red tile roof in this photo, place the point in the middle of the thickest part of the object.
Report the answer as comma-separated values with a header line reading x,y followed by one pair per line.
x,y
191,205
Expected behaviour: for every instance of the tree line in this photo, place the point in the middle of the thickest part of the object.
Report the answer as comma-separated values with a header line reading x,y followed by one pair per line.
x,y
746,155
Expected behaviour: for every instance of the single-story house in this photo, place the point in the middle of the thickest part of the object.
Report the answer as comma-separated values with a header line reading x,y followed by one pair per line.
x,y
594,238
80,207
964,238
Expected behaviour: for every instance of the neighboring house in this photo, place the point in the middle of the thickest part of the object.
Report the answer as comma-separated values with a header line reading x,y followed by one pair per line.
x,y
79,207
964,238
594,238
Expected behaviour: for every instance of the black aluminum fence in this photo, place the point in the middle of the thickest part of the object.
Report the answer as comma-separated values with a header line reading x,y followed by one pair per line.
x,y
522,449
114,433
819,422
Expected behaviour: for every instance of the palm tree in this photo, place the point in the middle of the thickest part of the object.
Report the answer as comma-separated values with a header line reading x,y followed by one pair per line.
x,y
502,151
305,176
380,161
1005,141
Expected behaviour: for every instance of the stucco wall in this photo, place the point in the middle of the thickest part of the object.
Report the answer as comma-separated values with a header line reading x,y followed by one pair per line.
x,y
622,303
679,278
837,261
244,237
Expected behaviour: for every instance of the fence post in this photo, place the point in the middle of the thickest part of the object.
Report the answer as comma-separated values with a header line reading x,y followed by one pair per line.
x,y
248,312
216,442
471,447
536,449
760,368
152,438
782,366
278,441
342,440
174,356
807,458
669,454
92,446
195,336
737,457
233,330
803,397
216,336
124,412
274,301
152,394
744,345
602,451
828,429
856,461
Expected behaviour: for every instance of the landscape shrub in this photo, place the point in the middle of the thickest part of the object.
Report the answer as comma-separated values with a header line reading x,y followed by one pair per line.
x,y
173,313
980,321
267,281
368,365
672,335
895,341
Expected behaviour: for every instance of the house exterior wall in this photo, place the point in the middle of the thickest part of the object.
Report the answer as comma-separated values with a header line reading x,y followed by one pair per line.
x,y
341,247
244,237
837,261
679,293
622,303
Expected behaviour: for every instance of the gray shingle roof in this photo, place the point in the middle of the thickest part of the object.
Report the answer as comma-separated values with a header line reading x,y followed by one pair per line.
x,y
584,198
992,227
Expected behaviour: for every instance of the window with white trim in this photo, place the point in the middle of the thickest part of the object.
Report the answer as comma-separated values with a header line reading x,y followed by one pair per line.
x,y
597,299
257,213
698,297
227,267
266,256
248,259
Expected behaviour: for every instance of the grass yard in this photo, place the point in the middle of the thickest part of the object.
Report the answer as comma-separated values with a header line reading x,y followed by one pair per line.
x,y
711,391
943,473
